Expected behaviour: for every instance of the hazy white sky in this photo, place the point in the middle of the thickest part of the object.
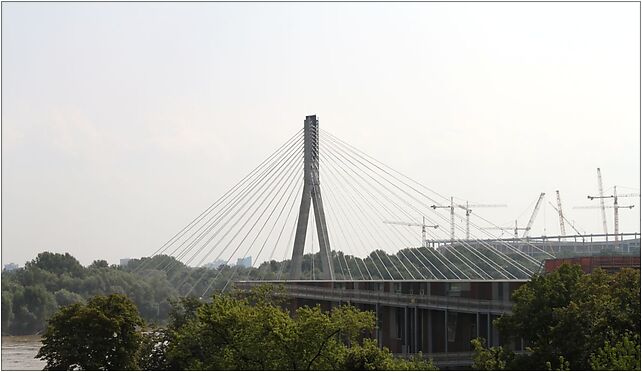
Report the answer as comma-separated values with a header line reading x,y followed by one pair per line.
x,y
123,121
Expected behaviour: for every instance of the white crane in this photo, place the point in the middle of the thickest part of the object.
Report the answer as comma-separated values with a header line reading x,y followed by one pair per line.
x,y
559,212
529,225
533,215
514,229
422,225
600,189
452,217
565,219
616,207
468,208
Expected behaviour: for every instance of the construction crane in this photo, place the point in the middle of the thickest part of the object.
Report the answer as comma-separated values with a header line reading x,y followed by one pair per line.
x,y
423,228
452,217
616,207
468,210
533,215
529,225
565,219
514,229
559,212
600,189
467,207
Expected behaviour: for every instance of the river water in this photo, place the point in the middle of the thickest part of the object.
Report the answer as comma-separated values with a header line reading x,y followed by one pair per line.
x,y
18,353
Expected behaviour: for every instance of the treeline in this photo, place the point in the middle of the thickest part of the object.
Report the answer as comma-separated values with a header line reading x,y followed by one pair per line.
x,y
31,294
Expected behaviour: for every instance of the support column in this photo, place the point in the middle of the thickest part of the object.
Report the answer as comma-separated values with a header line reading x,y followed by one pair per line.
x,y
415,344
477,324
430,341
379,324
404,344
446,331
311,193
488,342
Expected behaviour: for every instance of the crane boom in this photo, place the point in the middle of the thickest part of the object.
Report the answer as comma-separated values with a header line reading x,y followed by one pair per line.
x,y
616,216
561,215
409,224
469,211
533,215
567,221
601,191
452,221
515,229
422,225
628,195
606,206
467,207
452,217
616,207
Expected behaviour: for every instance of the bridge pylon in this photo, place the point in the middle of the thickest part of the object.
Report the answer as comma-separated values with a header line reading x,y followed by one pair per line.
x,y
311,193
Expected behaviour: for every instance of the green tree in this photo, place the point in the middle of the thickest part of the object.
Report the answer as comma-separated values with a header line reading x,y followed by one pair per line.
x,y
153,351
32,306
416,362
369,357
103,334
182,311
99,264
65,297
624,355
565,317
57,263
489,359
7,311
235,330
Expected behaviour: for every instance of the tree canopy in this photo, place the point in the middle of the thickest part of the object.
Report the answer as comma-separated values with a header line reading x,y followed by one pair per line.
x,y
103,334
235,331
571,319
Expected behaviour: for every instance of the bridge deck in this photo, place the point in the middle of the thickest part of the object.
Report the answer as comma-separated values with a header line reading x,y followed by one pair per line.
x,y
394,298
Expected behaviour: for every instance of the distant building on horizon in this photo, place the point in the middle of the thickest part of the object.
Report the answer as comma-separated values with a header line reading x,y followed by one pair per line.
x,y
11,266
244,262
124,261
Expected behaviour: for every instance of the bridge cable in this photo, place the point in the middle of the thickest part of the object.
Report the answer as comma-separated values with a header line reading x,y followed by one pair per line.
x,y
366,156
179,234
292,192
231,205
466,245
291,162
207,227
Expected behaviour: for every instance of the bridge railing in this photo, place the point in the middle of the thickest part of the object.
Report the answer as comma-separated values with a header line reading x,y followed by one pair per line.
x,y
392,298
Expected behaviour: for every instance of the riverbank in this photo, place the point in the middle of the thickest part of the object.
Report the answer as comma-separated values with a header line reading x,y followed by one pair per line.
x,y
18,353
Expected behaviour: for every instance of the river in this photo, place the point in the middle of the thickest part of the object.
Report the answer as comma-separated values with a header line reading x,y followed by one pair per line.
x,y
18,353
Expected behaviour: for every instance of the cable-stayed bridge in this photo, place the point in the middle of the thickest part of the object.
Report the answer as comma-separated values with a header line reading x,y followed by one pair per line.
x,y
347,235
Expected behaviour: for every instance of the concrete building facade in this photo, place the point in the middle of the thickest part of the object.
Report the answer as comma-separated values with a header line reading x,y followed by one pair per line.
x,y
438,318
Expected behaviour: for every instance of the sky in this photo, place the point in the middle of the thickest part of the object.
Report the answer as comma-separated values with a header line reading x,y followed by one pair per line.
x,y
123,121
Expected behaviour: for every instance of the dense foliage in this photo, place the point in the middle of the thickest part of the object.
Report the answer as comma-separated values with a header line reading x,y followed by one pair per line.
x,y
30,295
569,319
235,331
103,334
255,331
